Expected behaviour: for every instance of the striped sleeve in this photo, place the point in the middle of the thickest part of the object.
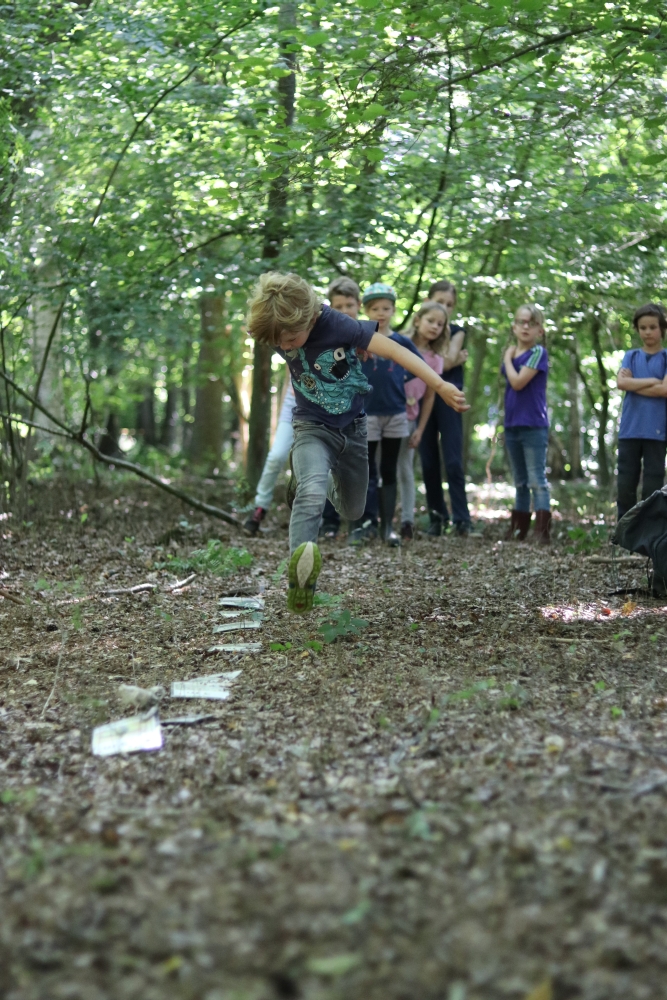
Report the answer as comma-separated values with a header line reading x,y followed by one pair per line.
x,y
535,357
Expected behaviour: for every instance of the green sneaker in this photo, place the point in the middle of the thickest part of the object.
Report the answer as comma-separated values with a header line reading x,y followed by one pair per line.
x,y
304,569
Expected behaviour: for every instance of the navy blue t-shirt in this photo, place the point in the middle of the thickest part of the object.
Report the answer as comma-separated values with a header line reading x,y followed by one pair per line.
x,y
328,381
455,375
388,381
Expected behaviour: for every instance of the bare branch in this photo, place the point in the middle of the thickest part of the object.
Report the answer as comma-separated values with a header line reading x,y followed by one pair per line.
x,y
119,463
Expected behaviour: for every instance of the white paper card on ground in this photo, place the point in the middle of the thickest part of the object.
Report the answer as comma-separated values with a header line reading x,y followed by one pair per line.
x,y
215,686
127,736
251,603
238,613
236,647
238,626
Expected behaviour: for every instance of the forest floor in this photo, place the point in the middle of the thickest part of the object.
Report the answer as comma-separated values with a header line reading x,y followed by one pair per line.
x,y
461,800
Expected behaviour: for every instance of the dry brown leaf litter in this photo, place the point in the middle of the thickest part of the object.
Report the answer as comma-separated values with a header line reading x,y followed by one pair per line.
x,y
464,801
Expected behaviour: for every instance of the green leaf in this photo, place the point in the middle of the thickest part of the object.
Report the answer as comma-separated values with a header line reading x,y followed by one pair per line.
x,y
335,965
408,95
653,159
372,112
317,38
374,154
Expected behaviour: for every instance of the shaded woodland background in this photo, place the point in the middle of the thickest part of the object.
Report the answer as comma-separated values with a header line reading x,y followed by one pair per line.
x,y
156,157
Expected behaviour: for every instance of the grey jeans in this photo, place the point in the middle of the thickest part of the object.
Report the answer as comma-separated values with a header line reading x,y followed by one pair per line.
x,y
327,462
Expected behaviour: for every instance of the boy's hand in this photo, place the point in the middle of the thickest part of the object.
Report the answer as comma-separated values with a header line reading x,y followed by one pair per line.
x,y
463,357
363,355
452,396
627,373
509,354
415,438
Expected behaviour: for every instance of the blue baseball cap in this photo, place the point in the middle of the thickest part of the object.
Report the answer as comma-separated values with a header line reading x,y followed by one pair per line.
x,y
378,290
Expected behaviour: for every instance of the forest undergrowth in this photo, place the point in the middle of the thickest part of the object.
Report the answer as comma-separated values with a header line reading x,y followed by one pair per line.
x,y
453,792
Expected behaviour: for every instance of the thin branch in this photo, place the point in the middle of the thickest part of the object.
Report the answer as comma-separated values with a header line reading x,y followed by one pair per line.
x,y
200,246
244,22
38,427
120,463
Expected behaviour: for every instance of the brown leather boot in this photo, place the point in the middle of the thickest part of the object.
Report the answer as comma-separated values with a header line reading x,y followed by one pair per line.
x,y
543,527
519,525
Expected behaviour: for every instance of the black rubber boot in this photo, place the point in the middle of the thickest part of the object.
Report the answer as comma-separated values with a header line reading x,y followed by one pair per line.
x,y
387,511
437,525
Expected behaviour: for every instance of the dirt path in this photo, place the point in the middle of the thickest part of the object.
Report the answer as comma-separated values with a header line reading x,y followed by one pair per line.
x,y
463,800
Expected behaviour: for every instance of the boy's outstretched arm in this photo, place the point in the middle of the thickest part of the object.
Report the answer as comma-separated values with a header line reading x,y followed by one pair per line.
x,y
384,347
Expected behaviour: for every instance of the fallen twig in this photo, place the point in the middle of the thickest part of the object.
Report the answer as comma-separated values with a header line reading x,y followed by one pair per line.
x,y
131,590
190,720
55,679
574,638
624,747
611,561
181,583
10,597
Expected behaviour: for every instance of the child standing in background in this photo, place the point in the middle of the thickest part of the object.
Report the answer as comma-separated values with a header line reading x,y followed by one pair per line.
x,y
446,425
643,377
345,297
330,452
526,366
387,418
428,332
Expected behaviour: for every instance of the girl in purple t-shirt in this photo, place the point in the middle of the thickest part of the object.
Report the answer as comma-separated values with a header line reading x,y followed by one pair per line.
x,y
526,366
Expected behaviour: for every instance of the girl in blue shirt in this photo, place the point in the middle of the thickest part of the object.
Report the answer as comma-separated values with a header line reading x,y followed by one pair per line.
x,y
643,377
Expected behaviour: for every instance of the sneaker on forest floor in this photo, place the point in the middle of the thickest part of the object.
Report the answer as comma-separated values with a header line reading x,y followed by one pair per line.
x,y
252,523
364,533
304,569
328,529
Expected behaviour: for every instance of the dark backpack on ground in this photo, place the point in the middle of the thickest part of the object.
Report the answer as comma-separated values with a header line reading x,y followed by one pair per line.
x,y
644,529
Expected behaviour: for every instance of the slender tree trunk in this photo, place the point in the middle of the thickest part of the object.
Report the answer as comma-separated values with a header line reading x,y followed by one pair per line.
x,y
169,418
259,423
603,412
576,471
206,445
109,441
146,418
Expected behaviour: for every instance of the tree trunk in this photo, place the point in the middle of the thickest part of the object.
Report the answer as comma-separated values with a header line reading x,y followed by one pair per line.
x,y
146,418
576,471
603,412
109,441
45,316
169,419
206,445
259,422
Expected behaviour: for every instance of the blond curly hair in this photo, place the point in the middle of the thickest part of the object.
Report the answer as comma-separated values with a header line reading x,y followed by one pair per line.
x,y
280,304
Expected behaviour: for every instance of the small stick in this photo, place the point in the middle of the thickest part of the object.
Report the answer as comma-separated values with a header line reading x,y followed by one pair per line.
x,y
132,590
578,638
181,583
10,597
622,560
55,679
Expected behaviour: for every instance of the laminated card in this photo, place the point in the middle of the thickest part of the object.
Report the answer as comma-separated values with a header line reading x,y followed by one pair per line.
x,y
215,686
127,736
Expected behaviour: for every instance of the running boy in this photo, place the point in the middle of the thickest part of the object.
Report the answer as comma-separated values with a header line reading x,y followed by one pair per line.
x,y
345,297
330,453
643,376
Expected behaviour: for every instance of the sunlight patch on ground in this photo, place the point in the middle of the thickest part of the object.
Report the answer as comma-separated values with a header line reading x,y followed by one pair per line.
x,y
597,611
489,502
